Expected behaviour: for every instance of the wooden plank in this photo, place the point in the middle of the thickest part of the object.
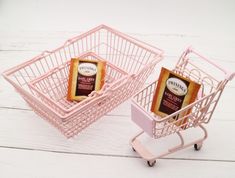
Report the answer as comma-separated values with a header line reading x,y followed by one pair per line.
x,y
172,44
110,136
176,20
27,164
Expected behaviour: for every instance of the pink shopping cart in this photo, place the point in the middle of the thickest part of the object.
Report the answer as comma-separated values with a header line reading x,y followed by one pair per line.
x,y
43,80
192,65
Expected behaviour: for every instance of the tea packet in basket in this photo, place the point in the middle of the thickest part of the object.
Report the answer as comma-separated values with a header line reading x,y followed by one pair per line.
x,y
85,76
173,92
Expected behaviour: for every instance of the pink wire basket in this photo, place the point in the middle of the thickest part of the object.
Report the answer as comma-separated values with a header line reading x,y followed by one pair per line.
x,y
194,66
43,80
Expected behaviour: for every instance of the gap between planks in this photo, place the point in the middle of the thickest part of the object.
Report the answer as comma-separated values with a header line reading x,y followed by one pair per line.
x,y
112,155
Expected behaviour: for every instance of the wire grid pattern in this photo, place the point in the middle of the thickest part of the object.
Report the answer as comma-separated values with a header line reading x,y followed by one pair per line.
x,y
52,87
135,58
197,112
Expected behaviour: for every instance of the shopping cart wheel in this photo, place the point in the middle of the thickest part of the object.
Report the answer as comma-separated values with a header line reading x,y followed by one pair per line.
x,y
151,163
197,146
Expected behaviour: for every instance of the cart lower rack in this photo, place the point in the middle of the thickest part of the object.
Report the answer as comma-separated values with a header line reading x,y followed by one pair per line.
x,y
42,81
198,68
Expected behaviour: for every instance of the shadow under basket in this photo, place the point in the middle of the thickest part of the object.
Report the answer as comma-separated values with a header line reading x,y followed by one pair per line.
x,y
42,81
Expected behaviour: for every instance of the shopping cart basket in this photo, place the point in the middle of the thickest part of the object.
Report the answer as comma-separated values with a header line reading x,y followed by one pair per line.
x,y
42,81
198,68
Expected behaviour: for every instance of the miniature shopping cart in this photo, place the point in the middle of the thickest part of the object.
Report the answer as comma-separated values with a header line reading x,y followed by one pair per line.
x,y
199,69
43,80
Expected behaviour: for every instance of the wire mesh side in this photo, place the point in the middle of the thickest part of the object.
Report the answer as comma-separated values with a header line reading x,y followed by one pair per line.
x,y
126,53
193,115
207,73
83,117
196,113
130,56
52,87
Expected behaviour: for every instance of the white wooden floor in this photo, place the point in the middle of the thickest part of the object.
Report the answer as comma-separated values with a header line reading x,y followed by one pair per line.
x,y
30,147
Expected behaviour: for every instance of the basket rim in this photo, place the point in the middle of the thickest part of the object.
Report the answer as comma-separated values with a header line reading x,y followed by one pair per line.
x,y
158,55
45,53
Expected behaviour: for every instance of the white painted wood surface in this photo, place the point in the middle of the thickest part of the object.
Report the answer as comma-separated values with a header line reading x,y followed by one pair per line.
x,y
30,147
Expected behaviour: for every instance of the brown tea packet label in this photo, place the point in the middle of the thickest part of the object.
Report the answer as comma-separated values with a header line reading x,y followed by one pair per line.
x,y
85,76
173,92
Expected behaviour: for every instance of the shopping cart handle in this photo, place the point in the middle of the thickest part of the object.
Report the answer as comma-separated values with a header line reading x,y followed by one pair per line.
x,y
230,75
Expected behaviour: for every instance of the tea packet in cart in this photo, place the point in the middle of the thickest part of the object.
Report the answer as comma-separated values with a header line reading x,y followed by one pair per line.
x,y
85,76
174,92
